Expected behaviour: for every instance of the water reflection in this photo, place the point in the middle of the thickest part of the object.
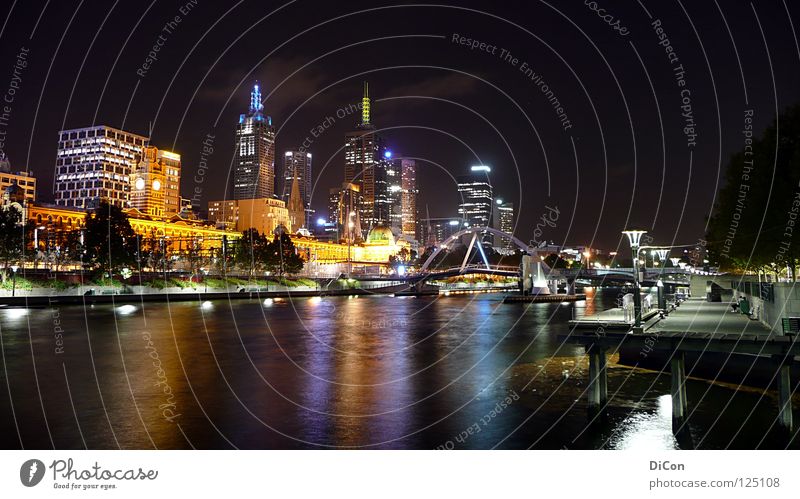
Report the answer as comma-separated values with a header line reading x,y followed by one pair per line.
x,y
373,371
649,430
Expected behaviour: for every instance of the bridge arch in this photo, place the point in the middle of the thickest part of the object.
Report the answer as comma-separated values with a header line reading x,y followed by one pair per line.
x,y
473,230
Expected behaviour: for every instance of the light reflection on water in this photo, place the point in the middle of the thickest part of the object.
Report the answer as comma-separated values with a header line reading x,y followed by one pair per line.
x,y
374,371
647,430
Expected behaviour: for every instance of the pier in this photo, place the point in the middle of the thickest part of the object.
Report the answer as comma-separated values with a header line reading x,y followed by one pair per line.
x,y
694,327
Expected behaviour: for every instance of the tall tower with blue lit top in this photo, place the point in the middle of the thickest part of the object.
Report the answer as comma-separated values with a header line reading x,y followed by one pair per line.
x,y
254,162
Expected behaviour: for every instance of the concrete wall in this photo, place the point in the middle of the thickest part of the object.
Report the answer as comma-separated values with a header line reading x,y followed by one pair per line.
x,y
786,303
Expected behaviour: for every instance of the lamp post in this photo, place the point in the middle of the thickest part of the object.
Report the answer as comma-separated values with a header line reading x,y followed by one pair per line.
x,y
662,255
634,238
205,281
350,226
14,269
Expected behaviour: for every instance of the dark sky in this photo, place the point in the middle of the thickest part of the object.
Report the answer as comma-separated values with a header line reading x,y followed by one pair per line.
x,y
625,160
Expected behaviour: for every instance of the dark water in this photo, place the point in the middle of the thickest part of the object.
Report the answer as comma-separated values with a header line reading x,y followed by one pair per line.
x,y
460,371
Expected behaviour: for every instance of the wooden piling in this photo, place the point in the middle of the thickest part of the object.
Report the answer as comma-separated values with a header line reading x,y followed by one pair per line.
x,y
679,400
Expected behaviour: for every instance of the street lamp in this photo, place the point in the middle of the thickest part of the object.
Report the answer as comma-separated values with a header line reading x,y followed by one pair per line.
x,y
634,238
14,269
205,281
350,225
662,255
674,261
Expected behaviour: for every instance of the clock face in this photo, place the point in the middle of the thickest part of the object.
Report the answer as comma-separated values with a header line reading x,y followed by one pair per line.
x,y
156,185
139,183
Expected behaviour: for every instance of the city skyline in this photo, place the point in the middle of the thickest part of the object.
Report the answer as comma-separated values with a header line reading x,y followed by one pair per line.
x,y
382,225
214,98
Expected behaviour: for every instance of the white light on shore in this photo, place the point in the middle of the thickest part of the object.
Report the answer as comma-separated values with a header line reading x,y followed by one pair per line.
x,y
16,313
126,309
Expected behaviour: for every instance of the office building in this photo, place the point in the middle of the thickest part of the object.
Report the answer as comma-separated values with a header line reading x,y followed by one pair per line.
x,y
475,191
408,199
254,161
343,210
95,163
504,222
435,231
364,151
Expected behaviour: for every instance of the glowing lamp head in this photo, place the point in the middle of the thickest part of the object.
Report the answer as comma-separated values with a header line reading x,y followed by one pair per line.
x,y
387,154
634,237
320,221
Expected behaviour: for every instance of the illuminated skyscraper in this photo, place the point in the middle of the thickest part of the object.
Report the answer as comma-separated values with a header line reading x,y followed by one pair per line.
x,y
155,183
408,198
254,174
504,222
343,206
363,151
475,190
401,195
95,163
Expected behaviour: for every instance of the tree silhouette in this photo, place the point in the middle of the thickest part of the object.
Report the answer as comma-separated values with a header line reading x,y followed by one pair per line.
x,y
753,222
109,241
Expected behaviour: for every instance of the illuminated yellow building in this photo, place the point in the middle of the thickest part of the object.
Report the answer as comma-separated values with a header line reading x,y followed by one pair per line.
x,y
24,180
178,234
262,214
376,250
155,183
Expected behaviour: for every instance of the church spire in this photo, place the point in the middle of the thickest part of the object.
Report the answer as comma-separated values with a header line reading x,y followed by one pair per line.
x,y
297,212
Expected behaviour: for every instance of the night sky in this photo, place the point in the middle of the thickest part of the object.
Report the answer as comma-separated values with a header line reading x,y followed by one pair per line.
x,y
627,159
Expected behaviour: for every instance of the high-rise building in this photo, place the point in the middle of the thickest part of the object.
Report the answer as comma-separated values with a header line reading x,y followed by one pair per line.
x,y
435,231
475,190
23,179
408,198
96,163
363,152
504,222
155,183
298,163
254,163
343,210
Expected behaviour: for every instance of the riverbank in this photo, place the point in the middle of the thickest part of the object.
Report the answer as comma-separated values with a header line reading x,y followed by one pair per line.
x,y
115,296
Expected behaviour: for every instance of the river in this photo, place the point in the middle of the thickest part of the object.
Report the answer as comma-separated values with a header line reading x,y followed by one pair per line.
x,y
462,371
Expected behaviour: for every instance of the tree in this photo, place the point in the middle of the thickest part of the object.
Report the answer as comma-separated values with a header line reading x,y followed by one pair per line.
x,y
753,221
251,251
68,249
281,256
12,236
109,240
